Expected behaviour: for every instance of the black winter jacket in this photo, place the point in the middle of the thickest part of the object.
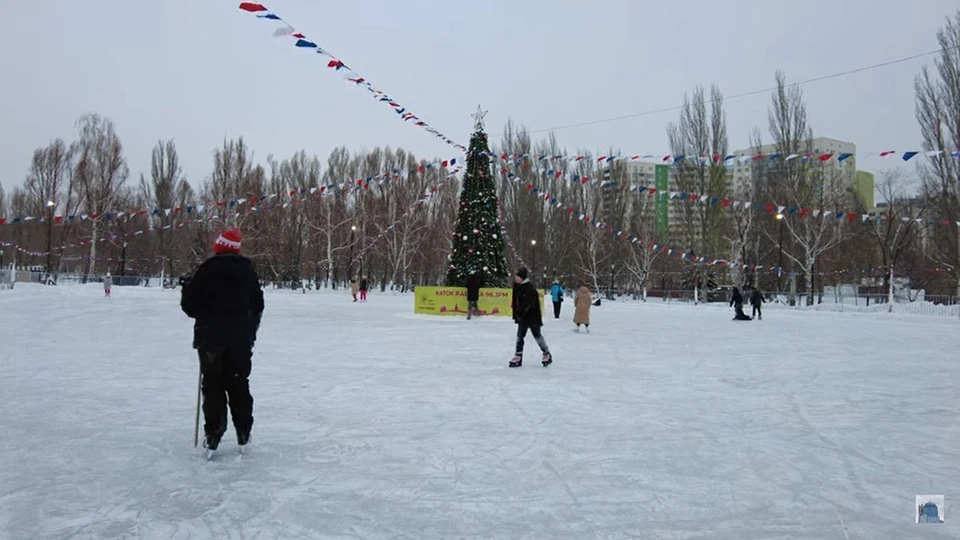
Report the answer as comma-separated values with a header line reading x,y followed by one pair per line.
x,y
526,305
473,288
736,300
225,299
756,298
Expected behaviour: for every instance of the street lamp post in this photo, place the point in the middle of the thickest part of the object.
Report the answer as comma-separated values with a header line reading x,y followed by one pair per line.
x,y
779,217
534,265
353,230
612,268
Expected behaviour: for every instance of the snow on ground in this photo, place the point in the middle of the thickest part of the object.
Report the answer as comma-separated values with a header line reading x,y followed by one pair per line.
x,y
666,422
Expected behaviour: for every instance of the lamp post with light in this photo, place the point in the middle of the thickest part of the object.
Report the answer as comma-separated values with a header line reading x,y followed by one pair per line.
x,y
533,243
779,217
353,231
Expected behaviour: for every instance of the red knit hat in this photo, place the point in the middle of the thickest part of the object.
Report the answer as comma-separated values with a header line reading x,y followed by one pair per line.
x,y
228,241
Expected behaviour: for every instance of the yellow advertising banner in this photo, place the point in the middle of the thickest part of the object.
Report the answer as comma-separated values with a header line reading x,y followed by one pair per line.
x,y
453,301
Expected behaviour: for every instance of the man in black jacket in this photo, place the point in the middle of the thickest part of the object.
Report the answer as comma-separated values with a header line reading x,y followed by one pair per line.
x,y
527,315
225,299
756,300
473,294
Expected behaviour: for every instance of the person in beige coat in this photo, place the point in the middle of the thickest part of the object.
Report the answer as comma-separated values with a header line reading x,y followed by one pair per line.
x,y
582,302
354,287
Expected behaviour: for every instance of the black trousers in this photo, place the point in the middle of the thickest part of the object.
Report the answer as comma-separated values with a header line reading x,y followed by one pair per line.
x,y
756,311
522,335
556,309
226,375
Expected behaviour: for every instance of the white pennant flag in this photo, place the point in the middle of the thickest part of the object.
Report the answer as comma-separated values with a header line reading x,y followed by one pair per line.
x,y
201,207
780,209
703,198
816,213
792,156
166,211
746,205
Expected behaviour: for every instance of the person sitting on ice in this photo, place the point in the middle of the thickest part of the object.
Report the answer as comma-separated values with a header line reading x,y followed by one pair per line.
x,y
527,315
225,299
736,300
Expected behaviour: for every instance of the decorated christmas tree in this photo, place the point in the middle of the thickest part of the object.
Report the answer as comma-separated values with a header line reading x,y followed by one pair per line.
x,y
477,246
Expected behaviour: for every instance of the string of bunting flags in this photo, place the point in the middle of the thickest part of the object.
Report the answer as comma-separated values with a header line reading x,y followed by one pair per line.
x,y
725,202
817,156
263,201
284,29
625,235
876,271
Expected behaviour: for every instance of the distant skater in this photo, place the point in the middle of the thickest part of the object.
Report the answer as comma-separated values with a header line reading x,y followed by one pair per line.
x,y
473,295
354,288
107,283
756,300
582,302
556,294
364,285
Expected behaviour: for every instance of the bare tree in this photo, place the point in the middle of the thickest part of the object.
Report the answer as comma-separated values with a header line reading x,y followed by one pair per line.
x,y
938,111
160,192
49,174
700,143
902,226
803,185
100,172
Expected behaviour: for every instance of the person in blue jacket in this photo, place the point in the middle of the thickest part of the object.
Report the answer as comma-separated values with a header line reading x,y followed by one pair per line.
x,y
556,292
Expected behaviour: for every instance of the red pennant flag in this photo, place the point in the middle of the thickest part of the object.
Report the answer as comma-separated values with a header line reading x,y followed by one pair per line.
x,y
769,207
584,179
803,211
94,215
252,7
693,196
176,209
652,190
569,211
334,63
220,203
298,35
56,219
557,174
824,157
851,216
886,153
529,187
444,164
757,157
716,159
724,202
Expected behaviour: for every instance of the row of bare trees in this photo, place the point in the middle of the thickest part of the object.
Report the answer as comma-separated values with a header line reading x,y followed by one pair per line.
x,y
295,228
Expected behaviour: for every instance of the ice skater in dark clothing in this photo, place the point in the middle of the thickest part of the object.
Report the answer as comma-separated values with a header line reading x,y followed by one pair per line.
x,y
756,300
736,300
473,295
225,299
527,315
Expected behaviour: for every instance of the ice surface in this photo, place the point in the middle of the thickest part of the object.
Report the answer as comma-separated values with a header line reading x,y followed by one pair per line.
x,y
665,422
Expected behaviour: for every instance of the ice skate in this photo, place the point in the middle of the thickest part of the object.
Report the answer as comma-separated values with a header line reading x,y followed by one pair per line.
x,y
517,361
547,359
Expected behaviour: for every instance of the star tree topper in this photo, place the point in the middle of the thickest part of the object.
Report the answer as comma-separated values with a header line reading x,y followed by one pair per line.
x,y
478,118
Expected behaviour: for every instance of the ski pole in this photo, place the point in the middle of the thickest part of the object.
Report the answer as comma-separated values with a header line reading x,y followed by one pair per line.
x,y
196,421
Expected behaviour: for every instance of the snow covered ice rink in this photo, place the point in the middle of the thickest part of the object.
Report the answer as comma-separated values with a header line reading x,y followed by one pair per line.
x,y
666,422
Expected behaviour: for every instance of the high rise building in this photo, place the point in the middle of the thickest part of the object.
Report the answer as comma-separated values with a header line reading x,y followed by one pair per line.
x,y
864,187
745,168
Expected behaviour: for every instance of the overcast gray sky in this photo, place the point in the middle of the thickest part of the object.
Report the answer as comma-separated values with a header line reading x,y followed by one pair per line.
x,y
199,71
